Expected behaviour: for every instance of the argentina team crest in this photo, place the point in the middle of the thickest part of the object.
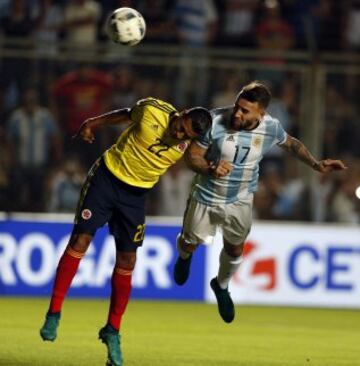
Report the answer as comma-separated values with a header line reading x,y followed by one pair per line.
x,y
257,142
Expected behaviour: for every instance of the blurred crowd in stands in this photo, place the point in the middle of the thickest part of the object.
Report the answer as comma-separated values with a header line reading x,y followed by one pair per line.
x,y
44,99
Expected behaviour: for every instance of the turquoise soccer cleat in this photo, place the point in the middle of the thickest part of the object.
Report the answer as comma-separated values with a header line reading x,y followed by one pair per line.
x,y
111,338
48,332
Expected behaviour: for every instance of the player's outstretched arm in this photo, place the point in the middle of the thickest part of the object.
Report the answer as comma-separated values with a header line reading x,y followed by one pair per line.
x,y
195,158
86,130
299,150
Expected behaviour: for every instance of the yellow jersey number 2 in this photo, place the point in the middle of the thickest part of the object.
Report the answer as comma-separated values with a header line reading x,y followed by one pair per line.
x,y
140,233
158,147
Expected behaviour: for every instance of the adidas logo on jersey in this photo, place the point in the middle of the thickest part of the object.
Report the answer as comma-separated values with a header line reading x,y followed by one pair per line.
x,y
230,138
155,127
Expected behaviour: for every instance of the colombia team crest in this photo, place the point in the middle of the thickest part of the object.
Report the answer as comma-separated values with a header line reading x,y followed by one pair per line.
x,y
86,214
182,146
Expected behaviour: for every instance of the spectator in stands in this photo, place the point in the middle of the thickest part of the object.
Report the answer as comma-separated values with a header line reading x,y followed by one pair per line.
x,y
273,184
307,17
343,204
278,109
351,41
196,24
237,22
289,203
78,95
341,131
160,26
35,143
263,202
273,33
65,186
329,15
123,94
173,191
352,21
229,85
47,37
81,22
4,172
17,28
290,96
47,33
123,87
5,6
319,195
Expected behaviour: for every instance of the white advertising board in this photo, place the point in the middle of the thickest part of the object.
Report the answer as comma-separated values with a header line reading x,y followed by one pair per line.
x,y
294,264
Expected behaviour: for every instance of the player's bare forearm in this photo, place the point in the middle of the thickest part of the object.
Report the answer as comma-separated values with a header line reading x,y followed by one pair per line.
x,y
299,150
86,131
196,162
114,117
195,159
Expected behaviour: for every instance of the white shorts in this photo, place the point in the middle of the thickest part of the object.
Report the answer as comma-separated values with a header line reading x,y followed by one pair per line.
x,y
233,219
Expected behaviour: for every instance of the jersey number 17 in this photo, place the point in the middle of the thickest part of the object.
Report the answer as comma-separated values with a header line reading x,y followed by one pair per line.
x,y
237,148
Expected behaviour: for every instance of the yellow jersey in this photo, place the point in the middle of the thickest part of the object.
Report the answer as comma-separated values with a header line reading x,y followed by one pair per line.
x,y
145,150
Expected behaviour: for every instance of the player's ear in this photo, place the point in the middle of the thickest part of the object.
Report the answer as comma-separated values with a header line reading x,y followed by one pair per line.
x,y
173,116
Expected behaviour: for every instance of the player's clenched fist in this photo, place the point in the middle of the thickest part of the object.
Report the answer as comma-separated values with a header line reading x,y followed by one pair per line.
x,y
85,132
221,169
328,165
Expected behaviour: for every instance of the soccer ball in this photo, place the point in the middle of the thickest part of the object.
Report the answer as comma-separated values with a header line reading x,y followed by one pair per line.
x,y
126,26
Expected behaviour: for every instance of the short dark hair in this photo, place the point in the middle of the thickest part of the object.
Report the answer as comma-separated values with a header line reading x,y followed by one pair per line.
x,y
256,92
200,119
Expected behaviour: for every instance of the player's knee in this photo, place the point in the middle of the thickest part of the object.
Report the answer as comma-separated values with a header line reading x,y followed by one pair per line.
x,y
126,260
233,250
80,242
186,247
191,247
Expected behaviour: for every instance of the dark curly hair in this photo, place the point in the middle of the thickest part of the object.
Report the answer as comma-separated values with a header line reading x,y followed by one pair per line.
x,y
256,92
201,119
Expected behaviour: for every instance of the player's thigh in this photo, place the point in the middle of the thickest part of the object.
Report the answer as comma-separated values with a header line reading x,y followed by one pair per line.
x,y
95,205
238,220
197,225
127,225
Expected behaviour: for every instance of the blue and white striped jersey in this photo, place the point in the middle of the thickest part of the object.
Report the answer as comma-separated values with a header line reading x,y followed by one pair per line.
x,y
243,148
31,135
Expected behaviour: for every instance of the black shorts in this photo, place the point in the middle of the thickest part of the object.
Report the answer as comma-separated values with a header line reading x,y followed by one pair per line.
x,y
106,199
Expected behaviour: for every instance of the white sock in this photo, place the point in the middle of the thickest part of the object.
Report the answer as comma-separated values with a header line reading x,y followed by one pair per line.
x,y
182,253
228,266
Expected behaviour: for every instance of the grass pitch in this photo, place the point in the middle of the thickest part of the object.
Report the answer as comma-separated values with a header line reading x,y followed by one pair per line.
x,y
181,334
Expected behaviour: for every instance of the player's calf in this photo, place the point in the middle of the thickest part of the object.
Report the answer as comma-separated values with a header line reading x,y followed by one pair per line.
x,y
183,262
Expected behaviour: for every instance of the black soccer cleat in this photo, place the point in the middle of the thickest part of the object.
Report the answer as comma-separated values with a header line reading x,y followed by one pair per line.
x,y
182,270
225,303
